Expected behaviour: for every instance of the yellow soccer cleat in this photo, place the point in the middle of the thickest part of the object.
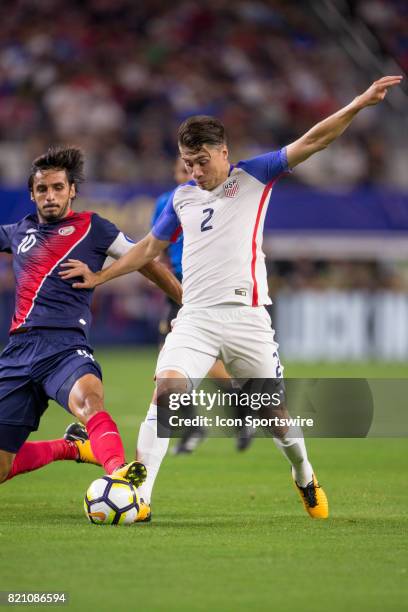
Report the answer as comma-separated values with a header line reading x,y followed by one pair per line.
x,y
145,513
135,472
76,432
314,499
85,454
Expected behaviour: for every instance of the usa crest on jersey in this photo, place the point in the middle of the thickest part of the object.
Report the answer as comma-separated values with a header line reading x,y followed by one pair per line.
x,y
231,188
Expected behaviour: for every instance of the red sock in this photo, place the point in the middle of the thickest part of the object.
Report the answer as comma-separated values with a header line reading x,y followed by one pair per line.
x,y
106,442
33,455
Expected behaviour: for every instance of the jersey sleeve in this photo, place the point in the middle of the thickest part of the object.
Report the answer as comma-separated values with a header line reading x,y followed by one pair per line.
x,y
167,226
120,246
267,167
104,233
159,206
6,234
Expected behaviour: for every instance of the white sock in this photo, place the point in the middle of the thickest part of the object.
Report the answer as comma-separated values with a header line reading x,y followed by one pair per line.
x,y
294,450
150,451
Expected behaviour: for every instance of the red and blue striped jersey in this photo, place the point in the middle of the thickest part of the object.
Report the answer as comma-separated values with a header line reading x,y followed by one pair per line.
x,y
43,299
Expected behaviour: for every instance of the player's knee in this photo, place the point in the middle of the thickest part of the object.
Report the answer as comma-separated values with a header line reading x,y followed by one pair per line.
x,y
169,383
90,404
171,379
93,403
86,397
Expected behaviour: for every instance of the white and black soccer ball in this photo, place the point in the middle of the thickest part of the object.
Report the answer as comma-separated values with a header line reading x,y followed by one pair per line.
x,y
111,501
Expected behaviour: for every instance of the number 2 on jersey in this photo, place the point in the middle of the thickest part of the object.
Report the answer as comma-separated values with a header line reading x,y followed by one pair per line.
x,y
204,224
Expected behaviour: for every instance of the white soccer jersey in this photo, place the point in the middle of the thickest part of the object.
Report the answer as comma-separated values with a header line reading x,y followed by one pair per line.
x,y
223,261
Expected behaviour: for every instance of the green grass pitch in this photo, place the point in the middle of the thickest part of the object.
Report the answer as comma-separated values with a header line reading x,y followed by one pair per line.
x,y
229,531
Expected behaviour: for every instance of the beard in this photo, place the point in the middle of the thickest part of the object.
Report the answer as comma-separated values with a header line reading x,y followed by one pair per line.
x,y
51,213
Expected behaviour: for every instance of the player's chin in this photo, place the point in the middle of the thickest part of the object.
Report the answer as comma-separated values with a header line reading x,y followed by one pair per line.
x,y
50,218
51,213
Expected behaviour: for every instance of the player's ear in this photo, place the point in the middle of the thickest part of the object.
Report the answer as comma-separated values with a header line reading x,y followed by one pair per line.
x,y
224,152
72,191
32,196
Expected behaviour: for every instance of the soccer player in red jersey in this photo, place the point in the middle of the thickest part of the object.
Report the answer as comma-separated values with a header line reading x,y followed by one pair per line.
x,y
48,355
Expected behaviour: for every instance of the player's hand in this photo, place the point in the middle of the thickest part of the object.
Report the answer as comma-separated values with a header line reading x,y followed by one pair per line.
x,y
377,91
74,268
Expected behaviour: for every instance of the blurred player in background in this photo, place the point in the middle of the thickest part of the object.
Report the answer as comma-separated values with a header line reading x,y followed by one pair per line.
x,y
221,212
48,355
175,249
192,436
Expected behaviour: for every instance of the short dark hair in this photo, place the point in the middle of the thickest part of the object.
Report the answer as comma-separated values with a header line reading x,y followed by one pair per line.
x,y
70,159
201,130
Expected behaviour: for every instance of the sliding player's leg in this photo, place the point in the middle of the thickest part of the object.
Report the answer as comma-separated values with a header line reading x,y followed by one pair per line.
x,y
22,403
33,368
258,358
86,403
73,378
34,455
82,393
18,456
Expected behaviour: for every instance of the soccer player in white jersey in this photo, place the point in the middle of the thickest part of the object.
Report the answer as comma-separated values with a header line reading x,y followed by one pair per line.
x,y
221,213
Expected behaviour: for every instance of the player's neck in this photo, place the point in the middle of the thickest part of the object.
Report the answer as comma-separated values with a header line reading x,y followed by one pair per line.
x,y
223,177
44,220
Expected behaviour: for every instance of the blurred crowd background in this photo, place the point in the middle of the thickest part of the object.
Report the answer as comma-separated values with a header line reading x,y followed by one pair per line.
x,y
117,77
268,68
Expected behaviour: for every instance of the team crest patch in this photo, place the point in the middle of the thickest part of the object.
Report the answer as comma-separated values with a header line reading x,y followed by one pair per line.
x,y
66,231
231,188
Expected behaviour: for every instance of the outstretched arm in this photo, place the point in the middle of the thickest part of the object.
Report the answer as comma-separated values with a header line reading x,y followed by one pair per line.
x,y
323,133
141,254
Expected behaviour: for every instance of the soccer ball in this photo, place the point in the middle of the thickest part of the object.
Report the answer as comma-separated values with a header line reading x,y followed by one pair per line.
x,y
111,501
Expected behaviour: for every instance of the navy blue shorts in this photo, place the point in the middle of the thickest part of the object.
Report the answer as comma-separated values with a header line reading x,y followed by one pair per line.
x,y
36,366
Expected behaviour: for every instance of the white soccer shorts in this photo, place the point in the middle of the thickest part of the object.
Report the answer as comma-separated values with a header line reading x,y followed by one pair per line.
x,y
240,335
